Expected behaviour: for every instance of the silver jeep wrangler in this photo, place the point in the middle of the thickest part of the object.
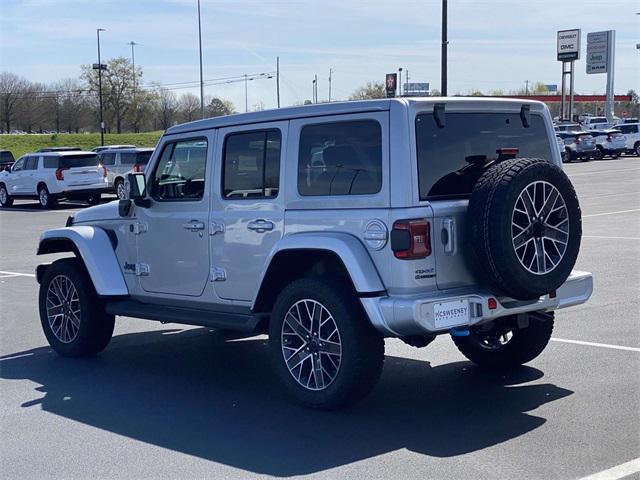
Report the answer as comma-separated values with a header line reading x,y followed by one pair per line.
x,y
331,227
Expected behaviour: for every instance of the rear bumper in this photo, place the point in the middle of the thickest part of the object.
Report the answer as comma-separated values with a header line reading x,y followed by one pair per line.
x,y
615,151
584,153
83,191
401,315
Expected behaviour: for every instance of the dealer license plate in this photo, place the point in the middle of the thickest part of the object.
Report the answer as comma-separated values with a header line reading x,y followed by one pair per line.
x,y
450,314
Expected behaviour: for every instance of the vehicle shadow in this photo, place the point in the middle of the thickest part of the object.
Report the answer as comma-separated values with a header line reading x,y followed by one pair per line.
x,y
199,393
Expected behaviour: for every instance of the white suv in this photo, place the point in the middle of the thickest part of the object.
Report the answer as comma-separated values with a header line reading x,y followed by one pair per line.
x,y
121,161
53,176
631,131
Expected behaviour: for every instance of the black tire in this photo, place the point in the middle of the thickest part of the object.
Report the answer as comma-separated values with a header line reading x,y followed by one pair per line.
x,y
361,353
491,234
636,148
95,326
5,199
94,199
569,155
599,155
482,346
45,198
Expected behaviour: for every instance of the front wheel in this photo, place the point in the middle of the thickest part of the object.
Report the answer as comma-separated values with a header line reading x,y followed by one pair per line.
x,y
121,190
71,314
5,200
636,148
503,345
325,351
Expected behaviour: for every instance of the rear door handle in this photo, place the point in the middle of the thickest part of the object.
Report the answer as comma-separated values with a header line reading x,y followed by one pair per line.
x,y
260,225
194,226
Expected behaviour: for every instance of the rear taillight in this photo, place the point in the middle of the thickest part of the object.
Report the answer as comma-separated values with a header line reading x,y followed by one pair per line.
x,y
136,168
609,138
60,174
578,139
410,239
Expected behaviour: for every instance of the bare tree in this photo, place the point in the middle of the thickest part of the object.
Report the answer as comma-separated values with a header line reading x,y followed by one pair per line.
x,y
188,106
167,106
12,89
370,90
32,108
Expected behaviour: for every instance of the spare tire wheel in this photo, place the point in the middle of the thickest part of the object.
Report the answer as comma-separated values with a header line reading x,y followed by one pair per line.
x,y
524,227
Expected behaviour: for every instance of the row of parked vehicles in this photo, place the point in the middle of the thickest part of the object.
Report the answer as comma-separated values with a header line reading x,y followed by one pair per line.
x,y
69,173
584,142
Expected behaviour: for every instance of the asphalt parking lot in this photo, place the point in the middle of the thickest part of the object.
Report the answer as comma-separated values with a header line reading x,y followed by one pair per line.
x,y
165,401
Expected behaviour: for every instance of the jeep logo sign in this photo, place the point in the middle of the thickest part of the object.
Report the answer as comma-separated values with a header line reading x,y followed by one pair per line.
x,y
568,45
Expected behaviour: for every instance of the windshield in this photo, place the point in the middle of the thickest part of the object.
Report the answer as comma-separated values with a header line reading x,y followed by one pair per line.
x,y
451,159
74,161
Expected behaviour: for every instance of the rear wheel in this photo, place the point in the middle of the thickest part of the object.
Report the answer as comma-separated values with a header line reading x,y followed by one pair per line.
x,y
325,351
71,314
503,345
45,198
121,191
5,199
636,147
599,155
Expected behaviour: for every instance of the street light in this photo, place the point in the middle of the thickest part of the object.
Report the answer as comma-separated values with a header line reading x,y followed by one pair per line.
x,y
100,67
201,81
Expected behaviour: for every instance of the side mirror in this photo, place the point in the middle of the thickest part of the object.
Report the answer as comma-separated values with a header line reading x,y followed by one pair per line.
x,y
138,189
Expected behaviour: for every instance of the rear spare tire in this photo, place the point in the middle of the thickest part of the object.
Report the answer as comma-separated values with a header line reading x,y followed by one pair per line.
x,y
524,227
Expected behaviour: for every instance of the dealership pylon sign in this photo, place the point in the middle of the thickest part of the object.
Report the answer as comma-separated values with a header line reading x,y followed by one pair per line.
x,y
567,52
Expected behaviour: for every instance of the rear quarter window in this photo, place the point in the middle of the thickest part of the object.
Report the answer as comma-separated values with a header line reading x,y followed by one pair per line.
x,y
83,160
451,159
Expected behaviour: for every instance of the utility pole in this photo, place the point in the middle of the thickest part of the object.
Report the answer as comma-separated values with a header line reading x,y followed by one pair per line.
x,y
278,79
400,82
133,65
314,93
100,87
526,87
445,42
246,94
330,73
201,81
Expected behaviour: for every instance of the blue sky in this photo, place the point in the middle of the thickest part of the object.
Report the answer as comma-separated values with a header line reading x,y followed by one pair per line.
x,y
493,44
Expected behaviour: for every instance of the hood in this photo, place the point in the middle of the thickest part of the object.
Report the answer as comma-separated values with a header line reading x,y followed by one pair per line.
x,y
106,211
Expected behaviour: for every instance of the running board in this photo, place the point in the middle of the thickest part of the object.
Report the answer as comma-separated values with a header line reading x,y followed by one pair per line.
x,y
189,316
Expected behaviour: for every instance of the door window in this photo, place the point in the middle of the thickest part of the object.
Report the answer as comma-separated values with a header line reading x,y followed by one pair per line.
x,y
32,163
180,172
19,165
108,159
251,167
340,158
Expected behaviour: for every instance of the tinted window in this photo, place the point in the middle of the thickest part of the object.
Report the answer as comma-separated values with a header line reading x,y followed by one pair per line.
x,y
50,162
451,159
628,128
6,157
340,158
31,164
108,158
19,165
83,160
132,158
179,174
252,164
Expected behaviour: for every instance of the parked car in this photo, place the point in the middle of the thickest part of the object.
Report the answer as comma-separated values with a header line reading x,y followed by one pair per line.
x,y
6,160
54,176
609,143
121,161
631,131
471,229
579,145
623,121
110,147
59,149
561,148
596,123
568,127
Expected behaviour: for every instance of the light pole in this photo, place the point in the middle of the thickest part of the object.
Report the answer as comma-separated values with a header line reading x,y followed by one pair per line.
x,y
201,81
330,74
133,65
246,95
400,81
314,93
445,42
100,87
278,80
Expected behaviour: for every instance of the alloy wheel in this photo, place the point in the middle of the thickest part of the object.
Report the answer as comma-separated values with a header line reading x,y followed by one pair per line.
x,y
43,195
63,308
311,344
540,227
121,191
3,195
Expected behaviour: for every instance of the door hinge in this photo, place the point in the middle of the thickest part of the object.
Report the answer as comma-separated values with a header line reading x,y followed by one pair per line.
x,y
139,227
142,269
216,227
218,274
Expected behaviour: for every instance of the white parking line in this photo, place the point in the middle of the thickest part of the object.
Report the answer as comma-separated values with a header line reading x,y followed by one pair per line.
x,y
611,213
16,274
616,472
593,344
600,172
611,238
588,197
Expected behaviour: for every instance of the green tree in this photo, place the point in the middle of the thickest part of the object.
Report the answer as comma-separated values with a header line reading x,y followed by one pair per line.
x,y
370,90
218,107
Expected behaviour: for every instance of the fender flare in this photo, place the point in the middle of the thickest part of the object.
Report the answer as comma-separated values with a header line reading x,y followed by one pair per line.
x,y
95,249
349,249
